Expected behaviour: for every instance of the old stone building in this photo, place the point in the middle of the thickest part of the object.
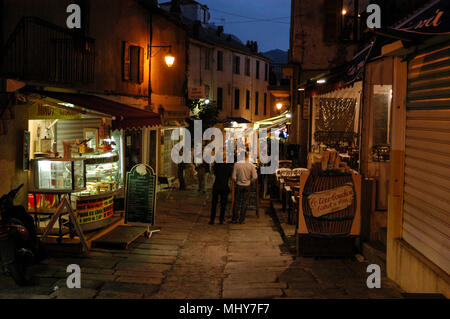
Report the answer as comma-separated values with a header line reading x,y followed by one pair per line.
x,y
231,74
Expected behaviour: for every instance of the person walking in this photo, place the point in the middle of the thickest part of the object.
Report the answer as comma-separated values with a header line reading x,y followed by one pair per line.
x,y
244,174
222,173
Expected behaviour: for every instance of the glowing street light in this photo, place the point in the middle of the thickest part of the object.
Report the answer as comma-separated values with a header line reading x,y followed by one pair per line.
x,y
344,12
207,101
321,81
279,106
170,59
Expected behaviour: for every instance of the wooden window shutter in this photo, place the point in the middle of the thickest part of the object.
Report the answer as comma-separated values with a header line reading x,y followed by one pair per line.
x,y
126,61
141,64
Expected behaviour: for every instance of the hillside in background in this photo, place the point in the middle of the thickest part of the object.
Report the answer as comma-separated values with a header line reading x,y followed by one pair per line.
x,y
277,56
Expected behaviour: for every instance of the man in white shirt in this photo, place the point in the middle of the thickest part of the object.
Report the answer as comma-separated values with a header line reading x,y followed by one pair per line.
x,y
244,174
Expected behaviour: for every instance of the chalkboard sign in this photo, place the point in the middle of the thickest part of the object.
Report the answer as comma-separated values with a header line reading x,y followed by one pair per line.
x,y
253,197
141,195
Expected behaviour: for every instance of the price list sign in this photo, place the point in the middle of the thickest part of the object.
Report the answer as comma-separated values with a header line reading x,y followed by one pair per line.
x,y
140,195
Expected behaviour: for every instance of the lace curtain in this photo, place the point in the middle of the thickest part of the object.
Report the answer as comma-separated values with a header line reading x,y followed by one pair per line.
x,y
336,115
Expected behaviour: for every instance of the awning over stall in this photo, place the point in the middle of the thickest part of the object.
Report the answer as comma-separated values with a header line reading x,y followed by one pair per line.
x,y
276,122
125,116
239,120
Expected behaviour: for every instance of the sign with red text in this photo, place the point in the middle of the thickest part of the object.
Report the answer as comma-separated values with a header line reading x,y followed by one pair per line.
x,y
433,19
197,92
44,112
331,201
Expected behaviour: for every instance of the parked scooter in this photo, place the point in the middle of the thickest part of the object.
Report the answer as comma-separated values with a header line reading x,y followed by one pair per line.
x,y
19,245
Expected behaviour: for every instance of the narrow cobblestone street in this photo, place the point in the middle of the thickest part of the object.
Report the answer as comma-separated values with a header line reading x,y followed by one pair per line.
x,y
191,259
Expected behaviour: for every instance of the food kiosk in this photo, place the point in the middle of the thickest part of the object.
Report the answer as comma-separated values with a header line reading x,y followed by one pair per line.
x,y
77,153
93,176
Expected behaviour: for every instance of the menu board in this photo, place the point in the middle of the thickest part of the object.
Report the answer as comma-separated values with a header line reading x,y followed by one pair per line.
x,y
253,197
140,195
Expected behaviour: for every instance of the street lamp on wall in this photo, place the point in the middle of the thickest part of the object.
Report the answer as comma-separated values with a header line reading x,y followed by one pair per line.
x,y
169,58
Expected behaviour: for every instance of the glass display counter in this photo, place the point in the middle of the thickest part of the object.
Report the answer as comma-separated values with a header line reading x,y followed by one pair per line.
x,y
59,175
103,173
95,204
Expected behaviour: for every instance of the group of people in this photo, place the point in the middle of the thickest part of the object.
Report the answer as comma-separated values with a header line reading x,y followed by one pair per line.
x,y
242,173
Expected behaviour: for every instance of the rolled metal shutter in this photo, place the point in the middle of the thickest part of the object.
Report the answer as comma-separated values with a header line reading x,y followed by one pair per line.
x,y
70,130
426,215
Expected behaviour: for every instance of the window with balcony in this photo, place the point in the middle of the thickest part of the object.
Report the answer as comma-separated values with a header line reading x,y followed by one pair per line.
x,y
256,102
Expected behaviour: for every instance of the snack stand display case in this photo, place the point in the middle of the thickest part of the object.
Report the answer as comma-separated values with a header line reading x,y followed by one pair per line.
x,y
59,175
95,204
84,180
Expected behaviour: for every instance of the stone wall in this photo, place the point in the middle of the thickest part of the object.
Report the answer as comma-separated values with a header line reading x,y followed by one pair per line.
x,y
11,144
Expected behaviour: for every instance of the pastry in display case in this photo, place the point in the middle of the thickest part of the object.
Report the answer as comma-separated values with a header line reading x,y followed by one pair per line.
x,y
59,175
103,174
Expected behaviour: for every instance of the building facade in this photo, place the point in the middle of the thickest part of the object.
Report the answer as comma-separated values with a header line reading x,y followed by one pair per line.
x,y
232,75
401,104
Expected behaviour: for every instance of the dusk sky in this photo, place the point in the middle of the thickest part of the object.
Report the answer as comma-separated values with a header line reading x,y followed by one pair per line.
x,y
265,21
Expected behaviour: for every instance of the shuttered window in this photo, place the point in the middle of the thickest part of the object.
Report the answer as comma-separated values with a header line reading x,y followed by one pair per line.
x,y
133,63
426,213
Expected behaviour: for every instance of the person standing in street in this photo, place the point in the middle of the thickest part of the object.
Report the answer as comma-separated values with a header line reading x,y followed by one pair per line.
x,y
181,173
222,173
202,168
244,174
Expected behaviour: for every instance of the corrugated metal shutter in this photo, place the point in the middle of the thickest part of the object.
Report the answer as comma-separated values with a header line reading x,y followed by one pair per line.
x,y
70,130
426,217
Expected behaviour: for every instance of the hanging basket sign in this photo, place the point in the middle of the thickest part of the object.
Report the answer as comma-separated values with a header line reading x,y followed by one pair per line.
x,y
331,201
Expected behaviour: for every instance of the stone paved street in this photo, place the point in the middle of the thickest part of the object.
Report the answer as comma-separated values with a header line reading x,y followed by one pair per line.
x,y
191,259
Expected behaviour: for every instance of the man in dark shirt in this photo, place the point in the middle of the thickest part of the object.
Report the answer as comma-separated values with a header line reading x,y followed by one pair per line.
x,y
223,172
181,167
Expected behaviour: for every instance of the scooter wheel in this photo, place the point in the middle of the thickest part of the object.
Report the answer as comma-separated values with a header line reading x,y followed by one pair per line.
x,y
18,272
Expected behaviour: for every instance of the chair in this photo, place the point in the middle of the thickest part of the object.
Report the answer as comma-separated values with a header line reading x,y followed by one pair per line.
x,y
299,171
